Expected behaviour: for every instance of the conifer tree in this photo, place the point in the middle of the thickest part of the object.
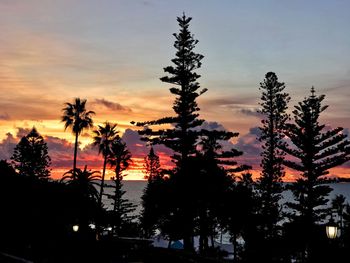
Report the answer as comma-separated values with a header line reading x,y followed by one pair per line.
x,y
218,167
152,165
120,159
153,194
30,157
313,150
317,150
273,109
182,138
239,215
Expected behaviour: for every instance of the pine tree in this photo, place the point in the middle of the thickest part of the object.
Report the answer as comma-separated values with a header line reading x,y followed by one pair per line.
x,y
153,194
30,157
182,138
217,169
120,159
338,207
313,151
152,165
273,109
239,215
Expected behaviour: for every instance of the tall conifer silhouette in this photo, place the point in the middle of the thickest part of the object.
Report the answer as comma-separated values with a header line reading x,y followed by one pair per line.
x,y
182,138
30,156
153,194
273,109
313,150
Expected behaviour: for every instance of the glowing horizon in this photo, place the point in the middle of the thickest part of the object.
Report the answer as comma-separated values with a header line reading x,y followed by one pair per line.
x,y
113,52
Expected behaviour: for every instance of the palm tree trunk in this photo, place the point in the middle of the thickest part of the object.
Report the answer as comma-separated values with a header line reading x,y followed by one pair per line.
x,y
102,181
99,218
75,152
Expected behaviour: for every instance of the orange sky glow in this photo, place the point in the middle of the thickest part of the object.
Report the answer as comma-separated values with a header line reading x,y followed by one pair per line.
x,y
113,55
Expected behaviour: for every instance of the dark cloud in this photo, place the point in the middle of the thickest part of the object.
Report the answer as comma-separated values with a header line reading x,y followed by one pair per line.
x,y
234,103
147,3
60,150
6,146
112,105
250,112
21,132
5,116
212,125
138,148
251,147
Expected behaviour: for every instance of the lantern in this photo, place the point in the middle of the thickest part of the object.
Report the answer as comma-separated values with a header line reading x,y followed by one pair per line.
x,y
331,229
75,228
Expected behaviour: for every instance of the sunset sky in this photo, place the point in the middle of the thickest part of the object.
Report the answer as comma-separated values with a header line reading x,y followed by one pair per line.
x,y
113,52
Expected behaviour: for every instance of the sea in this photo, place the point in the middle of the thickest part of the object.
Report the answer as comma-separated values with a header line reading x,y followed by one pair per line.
x,y
134,190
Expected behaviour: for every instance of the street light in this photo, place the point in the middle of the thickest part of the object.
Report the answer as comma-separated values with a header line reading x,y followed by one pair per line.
x,y
331,229
75,228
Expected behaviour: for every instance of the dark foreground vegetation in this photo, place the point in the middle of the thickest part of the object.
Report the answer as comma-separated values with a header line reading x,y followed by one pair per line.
x,y
207,192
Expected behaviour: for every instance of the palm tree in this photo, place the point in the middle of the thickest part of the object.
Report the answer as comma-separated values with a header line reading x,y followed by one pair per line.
x,y
83,182
76,117
104,137
85,195
120,158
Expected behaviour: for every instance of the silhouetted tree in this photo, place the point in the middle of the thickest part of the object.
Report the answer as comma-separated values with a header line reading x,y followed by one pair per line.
x,y
240,220
30,156
104,137
153,194
151,165
120,159
273,109
338,206
6,168
345,231
83,184
76,117
317,151
182,138
217,168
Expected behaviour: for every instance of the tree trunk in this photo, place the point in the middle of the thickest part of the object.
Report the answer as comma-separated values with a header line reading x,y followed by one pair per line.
x,y
234,247
102,182
75,152
98,221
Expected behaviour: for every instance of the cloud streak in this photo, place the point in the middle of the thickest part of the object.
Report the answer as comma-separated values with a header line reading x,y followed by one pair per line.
x,y
114,106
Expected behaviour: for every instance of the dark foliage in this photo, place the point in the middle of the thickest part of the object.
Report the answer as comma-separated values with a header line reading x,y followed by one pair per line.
x,y
153,195
273,109
30,156
120,217
217,168
36,216
78,118
104,138
313,152
183,137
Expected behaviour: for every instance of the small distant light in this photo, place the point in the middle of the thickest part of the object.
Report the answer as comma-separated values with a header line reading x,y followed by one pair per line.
x,y
75,228
109,228
92,226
